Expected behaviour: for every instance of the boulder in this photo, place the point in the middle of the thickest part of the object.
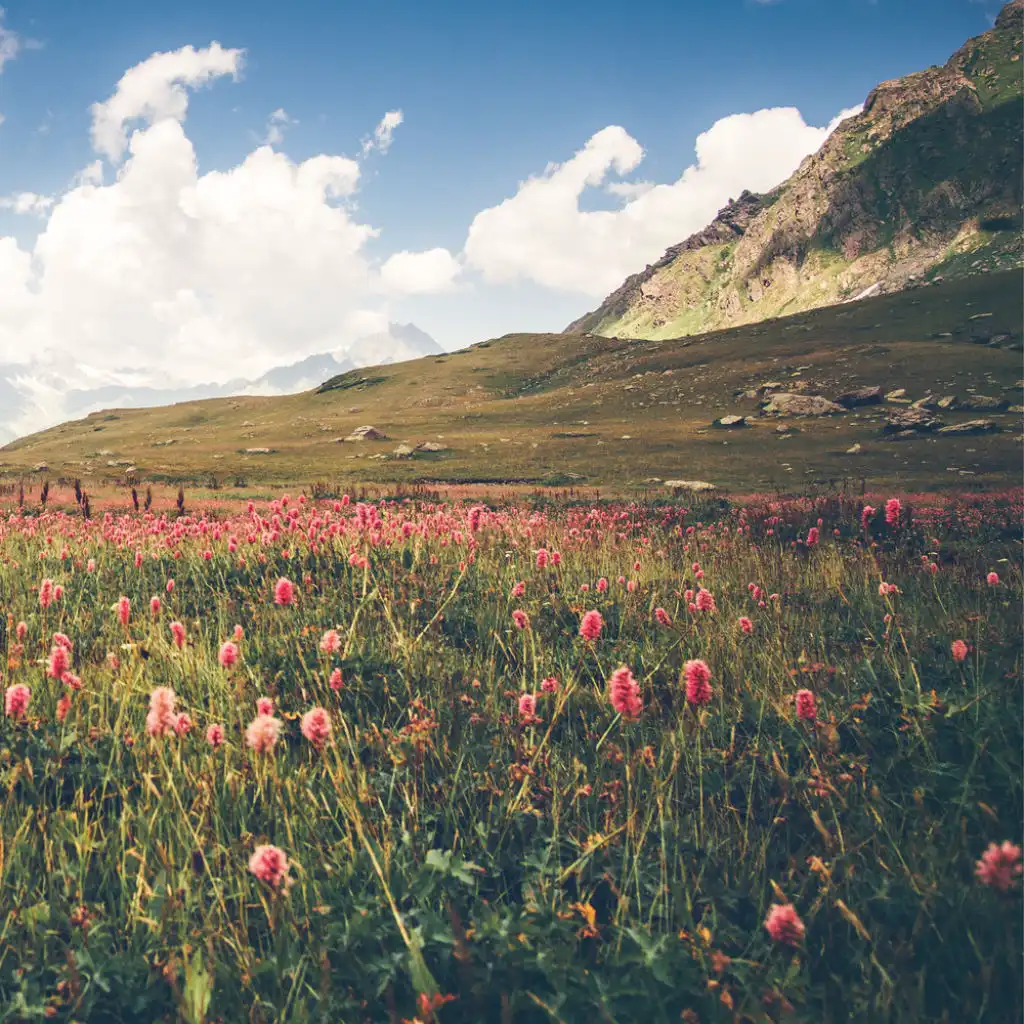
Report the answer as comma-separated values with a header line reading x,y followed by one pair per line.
x,y
367,434
910,419
898,395
785,403
257,451
696,486
403,451
928,402
982,403
971,427
946,402
731,421
860,396
855,450
431,446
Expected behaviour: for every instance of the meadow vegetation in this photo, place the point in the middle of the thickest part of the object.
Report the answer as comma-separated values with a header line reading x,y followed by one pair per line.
x,y
409,760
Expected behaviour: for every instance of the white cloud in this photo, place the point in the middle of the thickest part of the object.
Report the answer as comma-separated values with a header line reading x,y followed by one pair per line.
x,y
278,121
156,90
26,203
382,134
541,234
10,44
418,273
189,276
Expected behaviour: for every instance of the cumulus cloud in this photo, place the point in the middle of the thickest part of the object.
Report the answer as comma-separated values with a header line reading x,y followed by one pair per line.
x,y
382,134
196,277
418,273
540,234
157,90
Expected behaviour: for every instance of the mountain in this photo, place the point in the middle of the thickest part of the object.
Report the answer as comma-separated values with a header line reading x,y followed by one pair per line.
x,y
578,409
38,394
924,183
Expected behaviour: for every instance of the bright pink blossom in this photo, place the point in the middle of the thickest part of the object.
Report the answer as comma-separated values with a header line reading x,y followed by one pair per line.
x,y
527,706
663,617
264,706
262,732
992,579
783,924
316,727
806,706
16,700
124,610
59,662
520,618
624,693
698,682
999,866
228,654
178,633
270,865
745,624
330,642
959,650
284,591
215,735
591,626
335,681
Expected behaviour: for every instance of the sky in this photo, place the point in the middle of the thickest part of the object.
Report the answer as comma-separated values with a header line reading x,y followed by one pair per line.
x,y
202,190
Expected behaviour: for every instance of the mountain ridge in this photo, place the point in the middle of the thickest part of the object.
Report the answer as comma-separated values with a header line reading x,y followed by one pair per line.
x,y
924,182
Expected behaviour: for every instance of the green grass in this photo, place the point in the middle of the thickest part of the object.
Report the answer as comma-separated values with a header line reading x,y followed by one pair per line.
x,y
572,868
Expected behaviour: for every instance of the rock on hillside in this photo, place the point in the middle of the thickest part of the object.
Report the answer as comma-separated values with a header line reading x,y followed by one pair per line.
x,y
924,182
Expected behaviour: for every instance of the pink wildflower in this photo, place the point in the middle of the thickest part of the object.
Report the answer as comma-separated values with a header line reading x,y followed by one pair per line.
x,y
63,707
264,706
63,640
45,594
893,509
959,650
992,579
330,642
178,633
228,654
527,706
520,618
698,682
602,586
16,700
624,693
745,624
316,727
812,536
664,619
591,626
21,630
335,682
182,724
999,865
542,558
215,735
783,924
124,610
549,685
262,732
270,865
161,717
154,606
518,590
170,586
705,601
284,592
806,706
59,662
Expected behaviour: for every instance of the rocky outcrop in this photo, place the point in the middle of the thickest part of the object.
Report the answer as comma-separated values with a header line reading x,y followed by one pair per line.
x,y
910,419
367,434
893,192
970,427
860,396
787,404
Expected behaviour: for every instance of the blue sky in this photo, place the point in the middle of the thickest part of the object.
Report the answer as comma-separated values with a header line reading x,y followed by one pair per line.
x,y
490,94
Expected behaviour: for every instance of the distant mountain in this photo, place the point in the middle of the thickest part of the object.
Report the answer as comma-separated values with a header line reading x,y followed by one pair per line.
x,y
924,183
42,393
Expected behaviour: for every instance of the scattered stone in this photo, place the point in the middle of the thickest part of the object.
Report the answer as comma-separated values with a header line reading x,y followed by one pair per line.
x,y
403,451
860,396
164,444
898,395
910,419
40,467
982,402
787,404
257,451
946,402
979,316
367,434
431,446
696,486
731,421
855,450
1016,408
928,402
971,427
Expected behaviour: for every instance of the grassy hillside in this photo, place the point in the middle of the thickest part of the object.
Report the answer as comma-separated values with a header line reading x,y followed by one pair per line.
x,y
924,183
575,408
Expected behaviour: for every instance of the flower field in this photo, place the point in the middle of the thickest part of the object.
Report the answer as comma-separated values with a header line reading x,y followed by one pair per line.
x,y
339,761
